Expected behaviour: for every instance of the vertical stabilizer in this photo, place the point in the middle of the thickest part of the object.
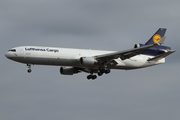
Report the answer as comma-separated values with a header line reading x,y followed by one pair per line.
x,y
157,36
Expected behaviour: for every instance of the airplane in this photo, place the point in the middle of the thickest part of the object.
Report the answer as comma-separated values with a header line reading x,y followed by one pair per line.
x,y
73,61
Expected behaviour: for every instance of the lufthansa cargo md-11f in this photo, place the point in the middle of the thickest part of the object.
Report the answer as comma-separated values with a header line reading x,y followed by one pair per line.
x,y
94,61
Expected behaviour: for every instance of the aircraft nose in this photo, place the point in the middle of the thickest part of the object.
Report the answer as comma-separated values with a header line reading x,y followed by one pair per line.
x,y
8,55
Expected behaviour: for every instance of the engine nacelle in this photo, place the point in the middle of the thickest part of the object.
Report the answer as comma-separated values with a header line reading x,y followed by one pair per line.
x,y
137,45
68,71
88,61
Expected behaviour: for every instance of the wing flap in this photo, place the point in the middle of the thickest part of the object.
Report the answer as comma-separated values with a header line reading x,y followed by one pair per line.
x,y
161,56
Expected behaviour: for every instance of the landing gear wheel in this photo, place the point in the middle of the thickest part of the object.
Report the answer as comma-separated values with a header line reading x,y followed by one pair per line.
x,y
107,71
100,73
89,77
29,70
94,77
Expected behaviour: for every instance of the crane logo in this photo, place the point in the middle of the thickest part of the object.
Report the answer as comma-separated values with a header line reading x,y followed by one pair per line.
x,y
156,38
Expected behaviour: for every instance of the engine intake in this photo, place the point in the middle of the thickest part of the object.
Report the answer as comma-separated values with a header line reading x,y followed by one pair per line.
x,y
137,45
68,71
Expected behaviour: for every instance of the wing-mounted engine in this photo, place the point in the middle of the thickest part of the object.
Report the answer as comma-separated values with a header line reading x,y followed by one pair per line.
x,y
68,71
88,61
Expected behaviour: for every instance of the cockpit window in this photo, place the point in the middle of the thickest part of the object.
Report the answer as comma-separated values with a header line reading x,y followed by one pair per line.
x,y
13,50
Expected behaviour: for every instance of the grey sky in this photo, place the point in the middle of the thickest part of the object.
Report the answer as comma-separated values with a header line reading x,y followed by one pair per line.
x,y
149,93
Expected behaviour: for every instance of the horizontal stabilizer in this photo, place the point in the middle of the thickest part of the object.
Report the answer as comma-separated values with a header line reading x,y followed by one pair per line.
x,y
161,56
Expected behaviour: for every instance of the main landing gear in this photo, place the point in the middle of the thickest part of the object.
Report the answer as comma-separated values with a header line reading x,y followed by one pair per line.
x,y
100,73
29,66
91,77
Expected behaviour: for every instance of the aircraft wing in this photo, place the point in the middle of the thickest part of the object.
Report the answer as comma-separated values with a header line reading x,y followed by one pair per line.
x,y
161,56
123,54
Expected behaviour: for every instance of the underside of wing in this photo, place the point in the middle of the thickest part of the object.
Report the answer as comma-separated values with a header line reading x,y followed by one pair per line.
x,y
156,58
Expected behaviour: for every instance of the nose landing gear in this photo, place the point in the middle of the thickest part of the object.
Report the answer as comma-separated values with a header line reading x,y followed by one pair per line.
x,y
29,66
29,70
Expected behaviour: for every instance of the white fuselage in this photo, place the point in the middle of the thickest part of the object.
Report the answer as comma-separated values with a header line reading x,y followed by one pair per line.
x,y
70,57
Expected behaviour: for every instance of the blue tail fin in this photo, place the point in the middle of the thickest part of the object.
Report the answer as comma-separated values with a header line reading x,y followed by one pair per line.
x,y
156,37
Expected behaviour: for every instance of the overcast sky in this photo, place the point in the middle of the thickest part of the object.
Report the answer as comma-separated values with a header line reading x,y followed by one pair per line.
x,y
146,94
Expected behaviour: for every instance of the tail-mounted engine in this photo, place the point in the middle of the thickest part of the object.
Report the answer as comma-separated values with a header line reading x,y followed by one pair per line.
x,y
137,45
